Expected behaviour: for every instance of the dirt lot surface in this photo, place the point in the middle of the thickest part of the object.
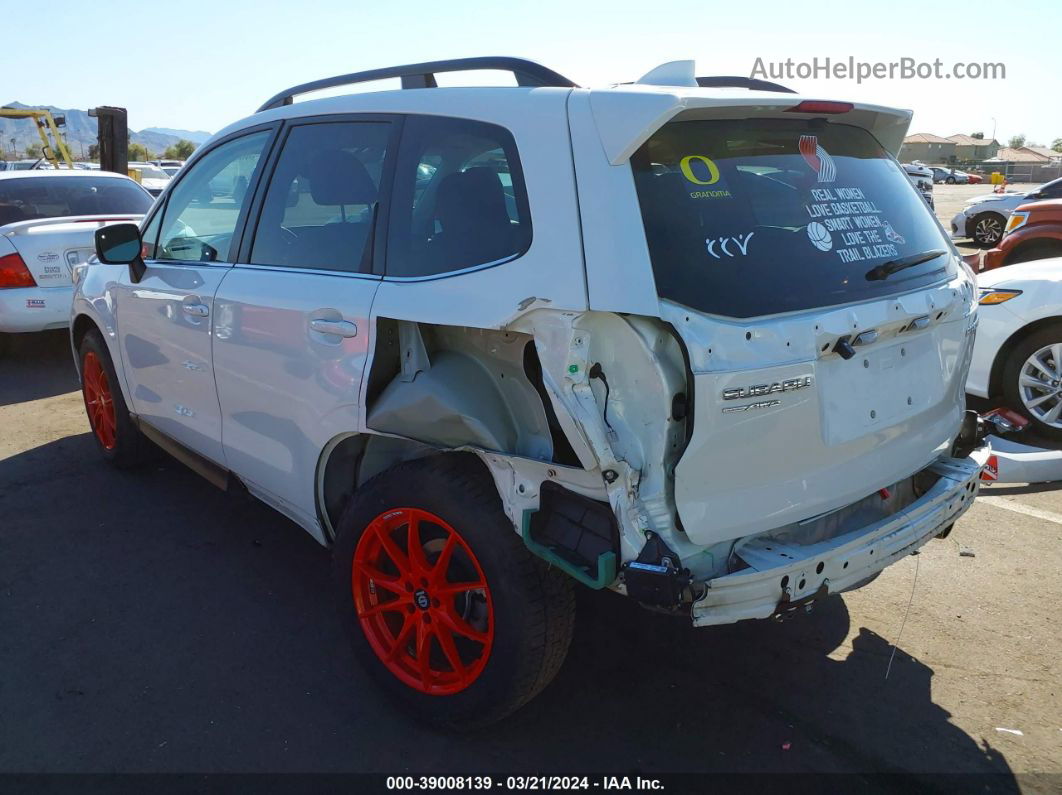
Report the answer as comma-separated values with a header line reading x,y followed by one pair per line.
x,y
153,623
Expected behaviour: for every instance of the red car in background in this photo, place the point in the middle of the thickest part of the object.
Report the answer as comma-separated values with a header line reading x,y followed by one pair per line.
x,y
1034,231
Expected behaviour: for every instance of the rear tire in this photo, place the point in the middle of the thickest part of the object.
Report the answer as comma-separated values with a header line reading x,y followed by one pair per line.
x,y
5,344
1019,390
522,617
117,437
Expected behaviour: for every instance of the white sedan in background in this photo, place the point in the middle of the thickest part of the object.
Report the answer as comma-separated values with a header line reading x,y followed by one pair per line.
x,y
48,222
984,218
1017,357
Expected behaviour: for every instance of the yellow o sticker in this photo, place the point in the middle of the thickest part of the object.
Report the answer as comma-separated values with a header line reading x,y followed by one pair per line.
x,y
687,172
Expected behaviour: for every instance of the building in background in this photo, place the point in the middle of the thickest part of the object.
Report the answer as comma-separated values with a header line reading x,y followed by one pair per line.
x,y
927,148
969,148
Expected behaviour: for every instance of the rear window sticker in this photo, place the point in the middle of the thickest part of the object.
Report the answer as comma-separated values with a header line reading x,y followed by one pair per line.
x,y
706,164
818,158
740,243
702,170
892,235
34,303
820,236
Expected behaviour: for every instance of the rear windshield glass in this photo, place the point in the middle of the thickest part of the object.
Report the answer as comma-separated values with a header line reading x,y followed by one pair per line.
x,y
30,198
756,217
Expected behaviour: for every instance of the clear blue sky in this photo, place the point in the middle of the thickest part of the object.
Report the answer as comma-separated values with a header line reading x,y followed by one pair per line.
x,y
200,65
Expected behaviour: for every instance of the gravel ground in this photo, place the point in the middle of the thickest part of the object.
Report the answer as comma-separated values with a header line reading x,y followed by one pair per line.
x,y
151,623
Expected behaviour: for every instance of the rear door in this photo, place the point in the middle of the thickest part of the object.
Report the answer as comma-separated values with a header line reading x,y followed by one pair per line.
x,y
164,320
291,319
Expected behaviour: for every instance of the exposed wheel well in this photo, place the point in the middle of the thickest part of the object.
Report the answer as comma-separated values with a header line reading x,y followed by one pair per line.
x,y
349,461
81,326
995,381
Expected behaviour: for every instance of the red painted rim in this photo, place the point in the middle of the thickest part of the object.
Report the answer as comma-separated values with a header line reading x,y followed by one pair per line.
x,y
423,601
98,401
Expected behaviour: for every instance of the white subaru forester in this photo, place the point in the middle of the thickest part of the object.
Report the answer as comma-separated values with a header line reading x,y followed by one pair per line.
x,y
695,340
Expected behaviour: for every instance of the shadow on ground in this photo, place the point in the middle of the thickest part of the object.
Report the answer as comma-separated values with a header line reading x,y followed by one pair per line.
x,y
36,366
153,623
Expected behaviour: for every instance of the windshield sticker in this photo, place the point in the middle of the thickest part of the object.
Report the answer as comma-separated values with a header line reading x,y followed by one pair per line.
x,y
818,158
820,236
701,170
741,242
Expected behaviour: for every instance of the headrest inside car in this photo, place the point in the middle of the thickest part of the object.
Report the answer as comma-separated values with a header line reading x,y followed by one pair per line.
x,y
338,177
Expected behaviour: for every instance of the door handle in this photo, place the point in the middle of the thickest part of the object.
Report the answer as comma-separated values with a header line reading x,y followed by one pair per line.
x,y
340,328
196,310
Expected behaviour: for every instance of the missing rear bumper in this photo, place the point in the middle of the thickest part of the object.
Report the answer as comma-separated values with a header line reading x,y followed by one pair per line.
x,y
787,577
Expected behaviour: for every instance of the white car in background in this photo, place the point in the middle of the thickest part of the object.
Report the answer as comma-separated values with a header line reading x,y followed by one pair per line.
x,y
984,218
1017,357
152,178
47,223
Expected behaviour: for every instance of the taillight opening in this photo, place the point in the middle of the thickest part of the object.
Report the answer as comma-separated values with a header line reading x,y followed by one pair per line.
x,y
14,273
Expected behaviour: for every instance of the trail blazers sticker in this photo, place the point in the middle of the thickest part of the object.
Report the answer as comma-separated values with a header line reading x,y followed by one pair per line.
x,y
817,157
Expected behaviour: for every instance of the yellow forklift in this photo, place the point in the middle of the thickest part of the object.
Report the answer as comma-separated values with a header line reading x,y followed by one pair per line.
x,y
46,124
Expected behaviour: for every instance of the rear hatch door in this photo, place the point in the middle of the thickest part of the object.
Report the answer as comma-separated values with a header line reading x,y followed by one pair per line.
x,y
828,359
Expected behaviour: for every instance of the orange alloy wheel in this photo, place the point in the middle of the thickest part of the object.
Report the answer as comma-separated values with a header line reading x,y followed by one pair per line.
x,y
98,400
423,601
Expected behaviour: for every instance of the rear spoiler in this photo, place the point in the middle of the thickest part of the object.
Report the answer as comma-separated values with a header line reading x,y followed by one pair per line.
x,y
627,115
27,227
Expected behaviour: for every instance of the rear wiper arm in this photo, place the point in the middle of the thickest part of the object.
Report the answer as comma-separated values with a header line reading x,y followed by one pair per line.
x,y
886,269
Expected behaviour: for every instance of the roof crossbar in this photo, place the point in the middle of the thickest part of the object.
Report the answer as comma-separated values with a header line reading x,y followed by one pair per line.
x,y
751,83
422,75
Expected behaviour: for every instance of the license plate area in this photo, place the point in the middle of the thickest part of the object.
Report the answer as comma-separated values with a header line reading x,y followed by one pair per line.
x,y
880,388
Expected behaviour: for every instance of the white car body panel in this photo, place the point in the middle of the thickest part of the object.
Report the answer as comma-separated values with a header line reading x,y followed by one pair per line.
x,y
1041,284
50,248
166,348
287,390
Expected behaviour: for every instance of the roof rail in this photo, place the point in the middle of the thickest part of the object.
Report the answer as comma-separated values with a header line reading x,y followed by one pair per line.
x,y
751,83
422,75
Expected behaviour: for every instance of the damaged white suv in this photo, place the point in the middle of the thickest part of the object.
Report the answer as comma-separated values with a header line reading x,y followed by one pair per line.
x,y
699,343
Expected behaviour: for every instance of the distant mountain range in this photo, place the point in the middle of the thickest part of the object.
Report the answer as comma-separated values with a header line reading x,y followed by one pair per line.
x,y
81,131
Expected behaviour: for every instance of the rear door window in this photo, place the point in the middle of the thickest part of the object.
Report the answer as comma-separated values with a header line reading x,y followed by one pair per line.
x,y
459,198
756,217
321,204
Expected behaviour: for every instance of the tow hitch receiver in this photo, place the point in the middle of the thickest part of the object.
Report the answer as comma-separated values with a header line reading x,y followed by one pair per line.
x,y
787,609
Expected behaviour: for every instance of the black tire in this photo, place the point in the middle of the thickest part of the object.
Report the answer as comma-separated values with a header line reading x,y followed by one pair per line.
x,y
1015,361
987,229
130,446
5,344
533,604
1035,249
949,180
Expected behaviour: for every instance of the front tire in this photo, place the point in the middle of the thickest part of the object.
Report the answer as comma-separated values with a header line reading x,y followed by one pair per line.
x,y
117,437
987,229
1032,381
445,607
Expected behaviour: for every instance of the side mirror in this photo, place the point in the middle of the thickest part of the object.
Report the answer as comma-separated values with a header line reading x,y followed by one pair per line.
x,y
119,244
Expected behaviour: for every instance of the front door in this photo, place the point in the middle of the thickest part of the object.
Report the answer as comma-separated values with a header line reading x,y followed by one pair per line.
x,y
291,319
165,319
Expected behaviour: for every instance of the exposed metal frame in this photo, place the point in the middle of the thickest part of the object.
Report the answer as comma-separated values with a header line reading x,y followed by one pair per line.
x,y
422,75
